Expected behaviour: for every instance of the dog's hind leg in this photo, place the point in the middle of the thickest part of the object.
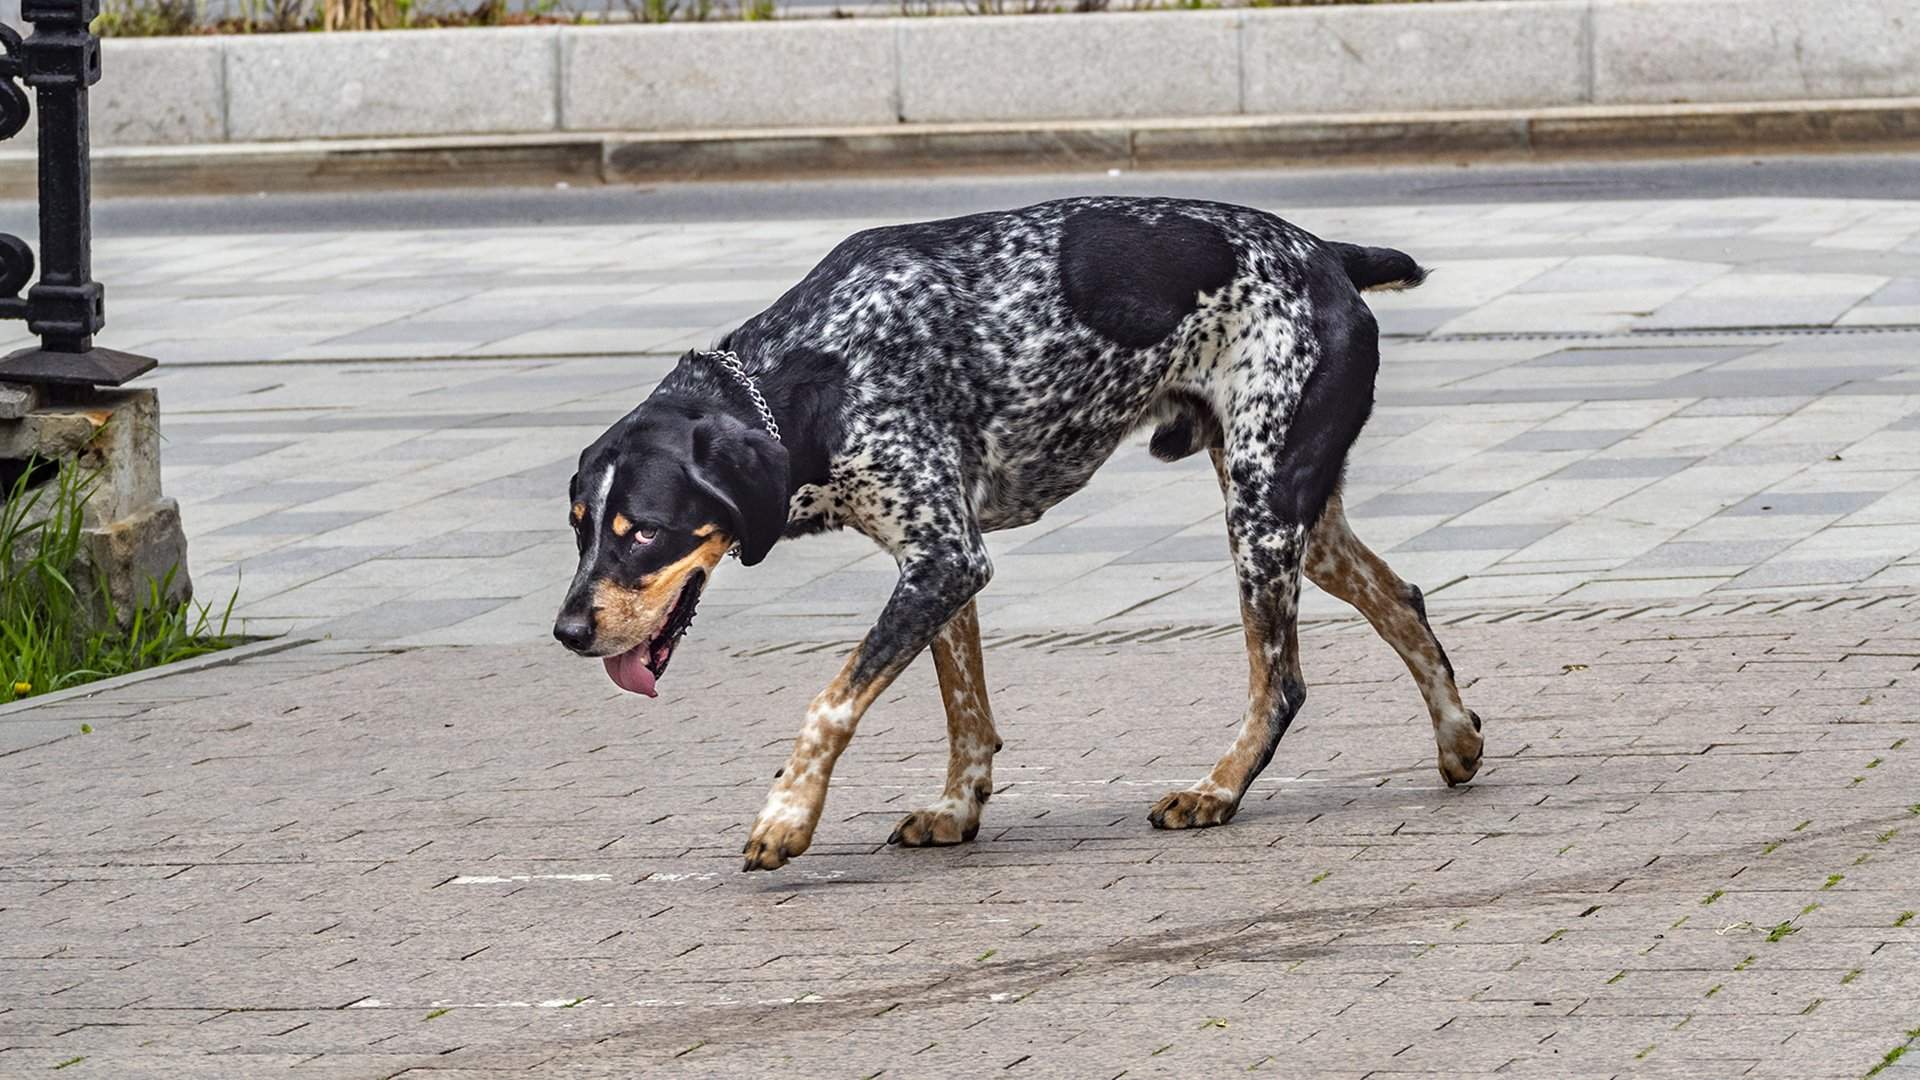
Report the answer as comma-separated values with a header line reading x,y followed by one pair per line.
x,y
1343,566
971,740
1267,550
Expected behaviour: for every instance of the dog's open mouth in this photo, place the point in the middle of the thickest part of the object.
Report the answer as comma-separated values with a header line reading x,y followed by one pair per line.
x,y
639,668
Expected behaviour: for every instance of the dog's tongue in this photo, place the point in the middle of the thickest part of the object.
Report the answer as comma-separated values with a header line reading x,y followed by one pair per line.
x,y
629,671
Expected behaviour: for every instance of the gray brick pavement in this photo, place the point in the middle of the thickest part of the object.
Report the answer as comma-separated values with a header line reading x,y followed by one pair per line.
x,y
349,414
1692,851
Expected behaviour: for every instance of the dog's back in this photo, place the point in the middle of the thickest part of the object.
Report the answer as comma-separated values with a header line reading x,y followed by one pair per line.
x,y
1038,338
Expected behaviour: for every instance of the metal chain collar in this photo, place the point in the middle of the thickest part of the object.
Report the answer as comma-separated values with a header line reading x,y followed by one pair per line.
x,y
730,361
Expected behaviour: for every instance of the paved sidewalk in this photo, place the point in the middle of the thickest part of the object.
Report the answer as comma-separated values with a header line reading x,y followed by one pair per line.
x,y
370,432
1691,852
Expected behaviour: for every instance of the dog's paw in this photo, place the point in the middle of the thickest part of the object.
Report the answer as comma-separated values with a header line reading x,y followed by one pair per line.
x,y
947,822
774,842
1460,754
1191,810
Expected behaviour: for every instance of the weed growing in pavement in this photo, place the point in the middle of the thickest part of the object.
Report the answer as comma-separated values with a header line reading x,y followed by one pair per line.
x,y
48,639
1894,1054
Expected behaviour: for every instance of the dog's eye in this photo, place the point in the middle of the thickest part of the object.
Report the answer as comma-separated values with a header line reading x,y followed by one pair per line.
x,y
645,536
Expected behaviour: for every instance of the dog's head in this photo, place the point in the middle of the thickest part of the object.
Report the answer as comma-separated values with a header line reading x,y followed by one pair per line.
x,y
656,503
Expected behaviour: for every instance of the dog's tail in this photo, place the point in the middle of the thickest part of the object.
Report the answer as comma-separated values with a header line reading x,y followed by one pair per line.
x,y
1379,268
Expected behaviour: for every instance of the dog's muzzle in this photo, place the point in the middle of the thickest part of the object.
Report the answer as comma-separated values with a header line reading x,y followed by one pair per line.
x,y
638,669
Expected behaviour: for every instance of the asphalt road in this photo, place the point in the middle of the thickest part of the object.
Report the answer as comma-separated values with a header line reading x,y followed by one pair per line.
x,y
920,197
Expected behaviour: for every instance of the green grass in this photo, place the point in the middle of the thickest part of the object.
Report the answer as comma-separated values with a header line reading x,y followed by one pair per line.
x,y
1895,1054
47,641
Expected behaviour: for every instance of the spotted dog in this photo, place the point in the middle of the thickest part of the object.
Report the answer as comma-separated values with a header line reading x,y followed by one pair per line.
x,y
927,384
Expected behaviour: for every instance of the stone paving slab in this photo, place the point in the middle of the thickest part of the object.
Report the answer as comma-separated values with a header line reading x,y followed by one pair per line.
x,y
1692,851
369,431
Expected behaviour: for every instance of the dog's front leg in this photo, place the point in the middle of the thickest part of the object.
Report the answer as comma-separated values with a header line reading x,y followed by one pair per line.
x,y
936,581
971,740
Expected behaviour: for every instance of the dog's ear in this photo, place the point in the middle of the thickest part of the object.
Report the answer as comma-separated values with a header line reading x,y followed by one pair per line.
x,y
745,470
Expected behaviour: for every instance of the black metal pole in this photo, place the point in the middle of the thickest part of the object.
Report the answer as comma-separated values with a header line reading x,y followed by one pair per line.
x,y
60,60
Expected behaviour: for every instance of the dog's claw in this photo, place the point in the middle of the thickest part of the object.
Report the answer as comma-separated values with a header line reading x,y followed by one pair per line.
x,y
1191,810
937,826
1461,751
774,846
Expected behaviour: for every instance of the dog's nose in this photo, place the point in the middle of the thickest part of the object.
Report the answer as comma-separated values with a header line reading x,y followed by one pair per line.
x,y
574,631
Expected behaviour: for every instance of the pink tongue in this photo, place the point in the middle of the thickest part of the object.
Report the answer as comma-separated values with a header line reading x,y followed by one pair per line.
x,y
629,671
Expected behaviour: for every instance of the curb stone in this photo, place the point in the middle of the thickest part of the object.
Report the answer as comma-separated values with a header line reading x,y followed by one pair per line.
x,y
249,651
1231,141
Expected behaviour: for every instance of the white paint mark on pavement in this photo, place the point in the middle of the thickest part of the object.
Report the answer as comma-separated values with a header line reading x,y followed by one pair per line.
x,y
483,879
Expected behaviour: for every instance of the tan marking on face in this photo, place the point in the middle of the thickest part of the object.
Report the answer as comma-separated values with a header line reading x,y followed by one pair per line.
x,y
626,617
706,530
621,526
579,511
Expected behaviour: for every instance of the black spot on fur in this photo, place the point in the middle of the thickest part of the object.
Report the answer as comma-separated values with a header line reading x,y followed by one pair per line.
x,y
1132,280
1293,694
1417,600
1334,403
927,595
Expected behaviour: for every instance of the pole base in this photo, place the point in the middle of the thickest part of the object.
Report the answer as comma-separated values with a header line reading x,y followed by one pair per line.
x,y
95,367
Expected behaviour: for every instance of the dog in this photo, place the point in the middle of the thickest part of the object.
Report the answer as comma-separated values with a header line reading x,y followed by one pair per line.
x,y
929,383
